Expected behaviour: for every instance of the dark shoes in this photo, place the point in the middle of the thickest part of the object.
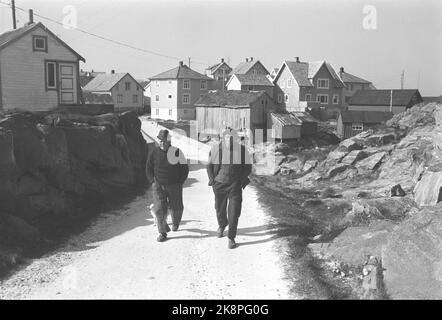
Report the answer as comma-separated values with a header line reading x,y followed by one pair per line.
x,y
220,232
175,227
232,244
162,237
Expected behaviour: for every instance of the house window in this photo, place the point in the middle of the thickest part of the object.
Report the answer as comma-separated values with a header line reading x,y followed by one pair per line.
x,y
135,98
286,98
157,111
308,97
289,83
127,86
157,98
203,85
186,98
170,112
357,126
51,82
335,99
186,84
322,98
322,83
40,43
119,98
279,98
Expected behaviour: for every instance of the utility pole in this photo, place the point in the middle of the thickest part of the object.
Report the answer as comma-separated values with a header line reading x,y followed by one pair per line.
x,y
14,22
402,79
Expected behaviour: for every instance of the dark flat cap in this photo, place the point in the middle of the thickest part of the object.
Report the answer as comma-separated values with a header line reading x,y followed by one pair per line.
x,y
163,134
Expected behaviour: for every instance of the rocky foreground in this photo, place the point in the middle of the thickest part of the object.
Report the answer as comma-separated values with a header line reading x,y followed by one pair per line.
x,y
55,168
376,203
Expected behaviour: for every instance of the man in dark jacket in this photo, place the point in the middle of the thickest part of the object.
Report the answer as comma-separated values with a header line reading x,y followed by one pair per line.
x,y
167,169
228,170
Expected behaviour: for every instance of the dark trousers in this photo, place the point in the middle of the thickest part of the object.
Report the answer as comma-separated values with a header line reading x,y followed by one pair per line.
x,y
167,197
228,200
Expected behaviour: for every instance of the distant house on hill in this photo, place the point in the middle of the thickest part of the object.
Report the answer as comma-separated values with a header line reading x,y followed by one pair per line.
x,y
301,86
220,73
38,71
353,84
126,92
175,91
250,67
351,123
239,110
396,101
259,82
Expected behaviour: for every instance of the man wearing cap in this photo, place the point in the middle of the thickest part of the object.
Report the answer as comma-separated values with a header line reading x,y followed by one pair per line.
x,y
228,169
167,169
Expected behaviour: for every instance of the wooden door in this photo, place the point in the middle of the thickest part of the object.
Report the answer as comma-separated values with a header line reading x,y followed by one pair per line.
x,y
68,80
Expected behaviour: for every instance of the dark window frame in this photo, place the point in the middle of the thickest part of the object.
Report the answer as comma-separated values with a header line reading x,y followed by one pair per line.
x,y
47,87
34,47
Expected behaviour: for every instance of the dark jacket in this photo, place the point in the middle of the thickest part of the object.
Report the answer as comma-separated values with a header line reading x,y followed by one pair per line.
x,y
164,172
222,169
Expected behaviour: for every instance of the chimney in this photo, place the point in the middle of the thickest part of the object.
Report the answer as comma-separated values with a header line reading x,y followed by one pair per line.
x,y
341,71
222,59
112,71
297,59
247,59
31,16
251,58
181,64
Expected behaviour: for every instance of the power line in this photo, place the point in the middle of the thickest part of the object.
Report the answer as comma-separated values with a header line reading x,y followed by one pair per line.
x,y
105,38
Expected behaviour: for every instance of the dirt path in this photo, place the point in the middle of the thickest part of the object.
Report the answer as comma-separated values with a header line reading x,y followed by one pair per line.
x,y
118,257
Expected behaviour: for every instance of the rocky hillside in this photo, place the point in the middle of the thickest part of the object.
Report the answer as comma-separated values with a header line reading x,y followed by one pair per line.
x,y
55,167
377,202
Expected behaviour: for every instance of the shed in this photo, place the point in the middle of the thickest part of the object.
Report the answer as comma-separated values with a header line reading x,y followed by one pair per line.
x,y
395,101
309,125
351,123
285,126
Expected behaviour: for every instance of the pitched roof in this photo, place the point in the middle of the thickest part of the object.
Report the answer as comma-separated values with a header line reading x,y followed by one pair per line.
x,y
84,80
365,116
245,66
10,36
105,82
216,66
180,72
349,78
253,80
285,118
304,116
303,72
229,99
401,97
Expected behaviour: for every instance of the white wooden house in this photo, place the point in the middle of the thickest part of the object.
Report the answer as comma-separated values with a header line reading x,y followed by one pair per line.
x,y
38,71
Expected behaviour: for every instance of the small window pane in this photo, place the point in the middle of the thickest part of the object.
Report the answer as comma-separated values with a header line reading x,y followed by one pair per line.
x,y
51,75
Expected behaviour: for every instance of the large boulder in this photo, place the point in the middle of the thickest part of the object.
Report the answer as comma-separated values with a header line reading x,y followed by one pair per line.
x,y
294,166
353,157
333,171
309,165
428,191
413,257
350,145
29,148
372,162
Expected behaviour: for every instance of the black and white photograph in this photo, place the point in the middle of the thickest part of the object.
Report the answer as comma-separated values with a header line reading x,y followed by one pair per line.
x,y
240,153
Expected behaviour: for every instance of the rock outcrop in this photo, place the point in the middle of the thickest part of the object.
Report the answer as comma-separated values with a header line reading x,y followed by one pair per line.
x,y
49,165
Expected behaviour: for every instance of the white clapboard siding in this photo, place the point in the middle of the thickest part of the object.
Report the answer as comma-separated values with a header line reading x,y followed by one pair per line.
x,y
23,73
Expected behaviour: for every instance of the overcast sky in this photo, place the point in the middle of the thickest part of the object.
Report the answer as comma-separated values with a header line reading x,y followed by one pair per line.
x,y
408,35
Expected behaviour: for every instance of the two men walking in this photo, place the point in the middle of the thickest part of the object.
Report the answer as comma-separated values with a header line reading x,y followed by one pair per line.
x,y
228,169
